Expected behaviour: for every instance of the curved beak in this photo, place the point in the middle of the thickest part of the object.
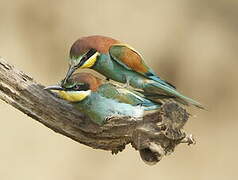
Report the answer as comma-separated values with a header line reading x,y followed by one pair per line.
x,y
55,87
69,73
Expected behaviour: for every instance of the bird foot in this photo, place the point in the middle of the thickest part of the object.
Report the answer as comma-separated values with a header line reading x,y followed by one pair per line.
x,y
127,84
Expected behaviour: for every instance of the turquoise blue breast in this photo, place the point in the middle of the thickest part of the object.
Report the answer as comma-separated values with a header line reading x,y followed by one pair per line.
x,y
99,108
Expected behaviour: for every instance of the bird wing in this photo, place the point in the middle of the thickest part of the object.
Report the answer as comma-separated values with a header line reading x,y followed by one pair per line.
x,y
113,91
129,58
124,95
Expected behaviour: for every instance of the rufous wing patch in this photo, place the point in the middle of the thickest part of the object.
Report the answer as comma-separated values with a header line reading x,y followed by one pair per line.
x,y
129,57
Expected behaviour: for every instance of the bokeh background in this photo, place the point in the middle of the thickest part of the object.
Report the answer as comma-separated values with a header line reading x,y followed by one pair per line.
x,y
191,43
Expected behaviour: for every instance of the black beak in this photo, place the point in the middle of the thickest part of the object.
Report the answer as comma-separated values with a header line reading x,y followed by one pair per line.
x,y
73,68
55,87
69,73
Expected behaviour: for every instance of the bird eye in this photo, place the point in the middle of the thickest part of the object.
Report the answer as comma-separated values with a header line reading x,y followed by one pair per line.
x,y
77,87
81,87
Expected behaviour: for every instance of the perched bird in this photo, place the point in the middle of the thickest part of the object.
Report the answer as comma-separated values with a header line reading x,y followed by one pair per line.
x,y
101,100
121,63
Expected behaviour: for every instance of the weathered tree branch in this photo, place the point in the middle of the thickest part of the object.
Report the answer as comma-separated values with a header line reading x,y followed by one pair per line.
x,y
154,136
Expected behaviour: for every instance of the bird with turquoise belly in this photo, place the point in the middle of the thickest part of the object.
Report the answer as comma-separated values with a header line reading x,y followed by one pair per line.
x,y
100,100
122,63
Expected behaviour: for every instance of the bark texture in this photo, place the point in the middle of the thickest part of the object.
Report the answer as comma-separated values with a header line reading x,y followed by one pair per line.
x,y
154,136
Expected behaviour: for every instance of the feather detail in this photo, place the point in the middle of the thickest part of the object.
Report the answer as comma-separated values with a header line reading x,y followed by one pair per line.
x,y
165,90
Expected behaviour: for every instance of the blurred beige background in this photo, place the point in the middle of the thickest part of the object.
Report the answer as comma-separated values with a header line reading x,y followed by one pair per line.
x,y
191,43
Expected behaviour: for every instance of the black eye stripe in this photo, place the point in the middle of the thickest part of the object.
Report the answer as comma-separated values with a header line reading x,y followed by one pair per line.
x,y
79,87
90,53
82,87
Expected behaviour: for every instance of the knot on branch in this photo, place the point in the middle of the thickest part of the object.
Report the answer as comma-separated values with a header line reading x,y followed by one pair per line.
x,y
157,137
154,136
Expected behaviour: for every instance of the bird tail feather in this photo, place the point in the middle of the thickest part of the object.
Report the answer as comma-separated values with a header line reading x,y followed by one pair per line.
x,y
161,81
159,88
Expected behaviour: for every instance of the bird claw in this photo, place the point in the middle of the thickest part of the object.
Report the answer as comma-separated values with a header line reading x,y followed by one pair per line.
x,y
127,84
112,118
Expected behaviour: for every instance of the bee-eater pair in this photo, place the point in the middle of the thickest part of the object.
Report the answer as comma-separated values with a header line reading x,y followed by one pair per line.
x,y
121,63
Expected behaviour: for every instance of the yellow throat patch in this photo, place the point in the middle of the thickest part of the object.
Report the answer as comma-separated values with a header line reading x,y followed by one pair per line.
x,y
74,96
91,61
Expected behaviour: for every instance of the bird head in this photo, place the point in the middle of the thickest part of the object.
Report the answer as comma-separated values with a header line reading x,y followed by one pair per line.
x,y
85,51
78,87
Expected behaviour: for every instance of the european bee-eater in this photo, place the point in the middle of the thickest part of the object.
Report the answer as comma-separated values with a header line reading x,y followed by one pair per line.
x,y
120,62
101,100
